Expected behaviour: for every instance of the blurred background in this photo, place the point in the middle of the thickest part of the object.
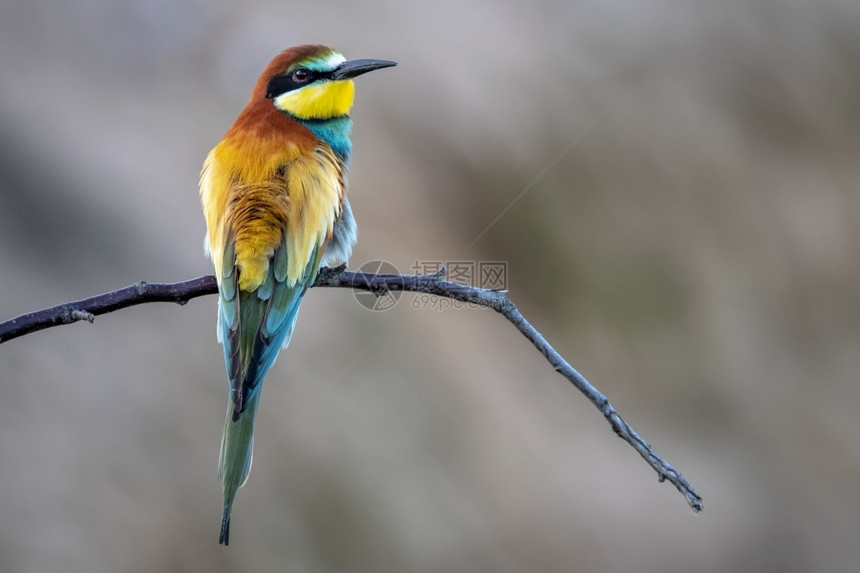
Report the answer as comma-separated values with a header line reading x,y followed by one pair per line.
x,y
674,190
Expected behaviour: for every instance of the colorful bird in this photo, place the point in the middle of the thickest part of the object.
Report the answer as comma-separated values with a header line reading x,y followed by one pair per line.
x,y
274,196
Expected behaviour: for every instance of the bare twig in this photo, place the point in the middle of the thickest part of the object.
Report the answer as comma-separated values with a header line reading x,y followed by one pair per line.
x,y
89,308
434,284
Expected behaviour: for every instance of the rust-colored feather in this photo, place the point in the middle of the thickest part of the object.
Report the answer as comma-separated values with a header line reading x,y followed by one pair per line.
x,y
281,63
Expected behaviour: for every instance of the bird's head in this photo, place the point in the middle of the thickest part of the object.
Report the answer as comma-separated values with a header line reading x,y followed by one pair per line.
x,y
313,82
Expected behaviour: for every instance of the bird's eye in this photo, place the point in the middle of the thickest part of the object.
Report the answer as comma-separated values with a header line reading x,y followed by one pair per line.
x,y
301,75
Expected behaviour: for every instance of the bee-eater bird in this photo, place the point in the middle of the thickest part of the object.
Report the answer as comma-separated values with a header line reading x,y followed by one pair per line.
x,y
274,197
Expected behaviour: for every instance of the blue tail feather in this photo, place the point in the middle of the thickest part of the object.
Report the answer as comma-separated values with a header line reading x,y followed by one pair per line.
x,y
254,327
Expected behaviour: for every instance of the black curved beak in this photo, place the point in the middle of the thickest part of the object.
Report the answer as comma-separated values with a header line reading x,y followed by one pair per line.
x,y
353,68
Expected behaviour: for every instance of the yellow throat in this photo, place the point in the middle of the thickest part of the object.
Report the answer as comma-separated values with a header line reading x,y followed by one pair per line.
x,y
319,100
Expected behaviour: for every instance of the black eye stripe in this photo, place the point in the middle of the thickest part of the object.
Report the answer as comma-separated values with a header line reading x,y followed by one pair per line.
x,y
279,85
282,84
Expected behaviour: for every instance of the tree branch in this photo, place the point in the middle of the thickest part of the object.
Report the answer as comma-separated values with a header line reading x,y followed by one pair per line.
x,y
182,292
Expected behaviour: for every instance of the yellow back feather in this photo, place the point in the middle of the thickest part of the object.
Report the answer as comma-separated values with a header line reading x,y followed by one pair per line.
x,y
260,197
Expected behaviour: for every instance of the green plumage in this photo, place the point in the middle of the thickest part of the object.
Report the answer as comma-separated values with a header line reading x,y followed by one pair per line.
x,y
237,451
254,326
